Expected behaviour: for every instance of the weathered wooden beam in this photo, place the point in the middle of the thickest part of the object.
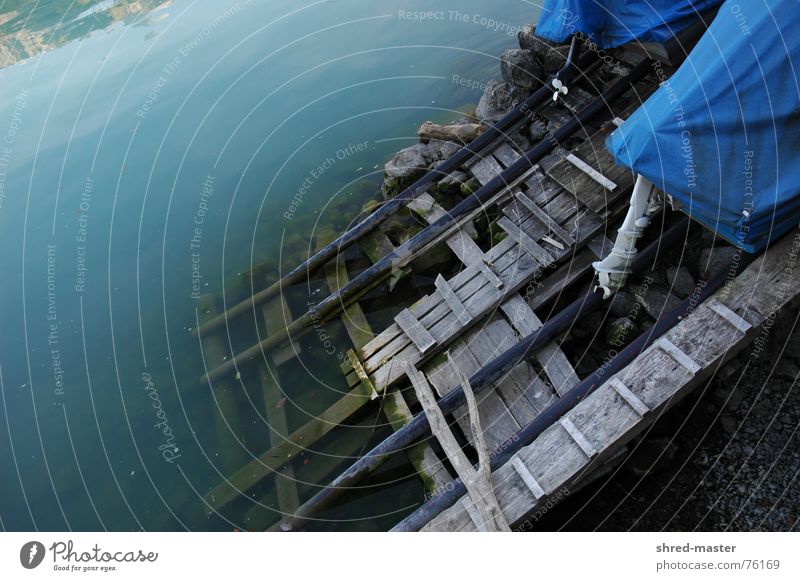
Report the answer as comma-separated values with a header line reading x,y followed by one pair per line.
x,y
276,457
227,413
395,408
478,482
275,311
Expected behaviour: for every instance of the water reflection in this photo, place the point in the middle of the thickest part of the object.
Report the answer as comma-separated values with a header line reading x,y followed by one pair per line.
x,y
116,141
30,28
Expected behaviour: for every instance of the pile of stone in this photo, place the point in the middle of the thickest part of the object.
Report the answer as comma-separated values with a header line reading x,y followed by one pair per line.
x,y
523,70
634,309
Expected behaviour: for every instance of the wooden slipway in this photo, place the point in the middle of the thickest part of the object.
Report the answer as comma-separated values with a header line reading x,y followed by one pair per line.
x,y
688,354
554,220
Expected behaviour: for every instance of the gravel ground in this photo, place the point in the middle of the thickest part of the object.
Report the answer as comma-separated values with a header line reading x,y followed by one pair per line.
x,y
727,458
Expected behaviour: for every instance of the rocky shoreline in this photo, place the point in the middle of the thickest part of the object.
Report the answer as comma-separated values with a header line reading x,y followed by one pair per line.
x,y
523,70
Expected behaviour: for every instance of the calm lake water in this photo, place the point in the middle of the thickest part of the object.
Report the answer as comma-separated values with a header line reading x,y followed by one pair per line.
x,y
151,152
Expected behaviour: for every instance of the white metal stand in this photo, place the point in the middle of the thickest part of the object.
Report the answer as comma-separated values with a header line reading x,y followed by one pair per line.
x,y
613,271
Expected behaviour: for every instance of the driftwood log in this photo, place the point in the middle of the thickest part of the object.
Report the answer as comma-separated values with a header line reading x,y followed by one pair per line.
x,y
478,482
458,133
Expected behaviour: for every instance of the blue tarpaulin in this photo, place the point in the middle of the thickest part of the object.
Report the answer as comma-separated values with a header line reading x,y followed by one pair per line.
x,y
722,135
611,23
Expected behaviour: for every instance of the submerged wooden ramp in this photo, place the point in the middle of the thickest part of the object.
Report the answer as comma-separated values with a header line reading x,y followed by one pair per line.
x,y
596,428
549,223
545,224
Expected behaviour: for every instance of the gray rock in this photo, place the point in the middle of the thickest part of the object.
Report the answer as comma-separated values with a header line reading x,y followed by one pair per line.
x,y
409,163
656,300
764,408
449,184
497,100
620,332
735,399
536,131
553,59
447,149
520,139
680,281
623,304
527,37
714,260
521,68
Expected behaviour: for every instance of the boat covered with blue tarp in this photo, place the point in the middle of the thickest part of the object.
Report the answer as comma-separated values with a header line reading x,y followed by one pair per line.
x,y
722,135
612,23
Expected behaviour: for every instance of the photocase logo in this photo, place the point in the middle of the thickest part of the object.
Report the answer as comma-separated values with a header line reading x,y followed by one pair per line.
x,y
31,554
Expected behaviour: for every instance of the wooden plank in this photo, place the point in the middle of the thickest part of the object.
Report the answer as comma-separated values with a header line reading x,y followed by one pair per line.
x,y
528,244
574,433
600,246
478,482
553,242
527,477
503,255
452,300
228,417
547,288
394,406
514,268
278,428
521,384
498,421
735,320
474,516
654,377
489,273
427,308
670,349
591,172
430,310
276,457
505,154
552,359
414,330
281,316
460,243
584,186
521,389
362,375
249,354
486,169
629,397
543,217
